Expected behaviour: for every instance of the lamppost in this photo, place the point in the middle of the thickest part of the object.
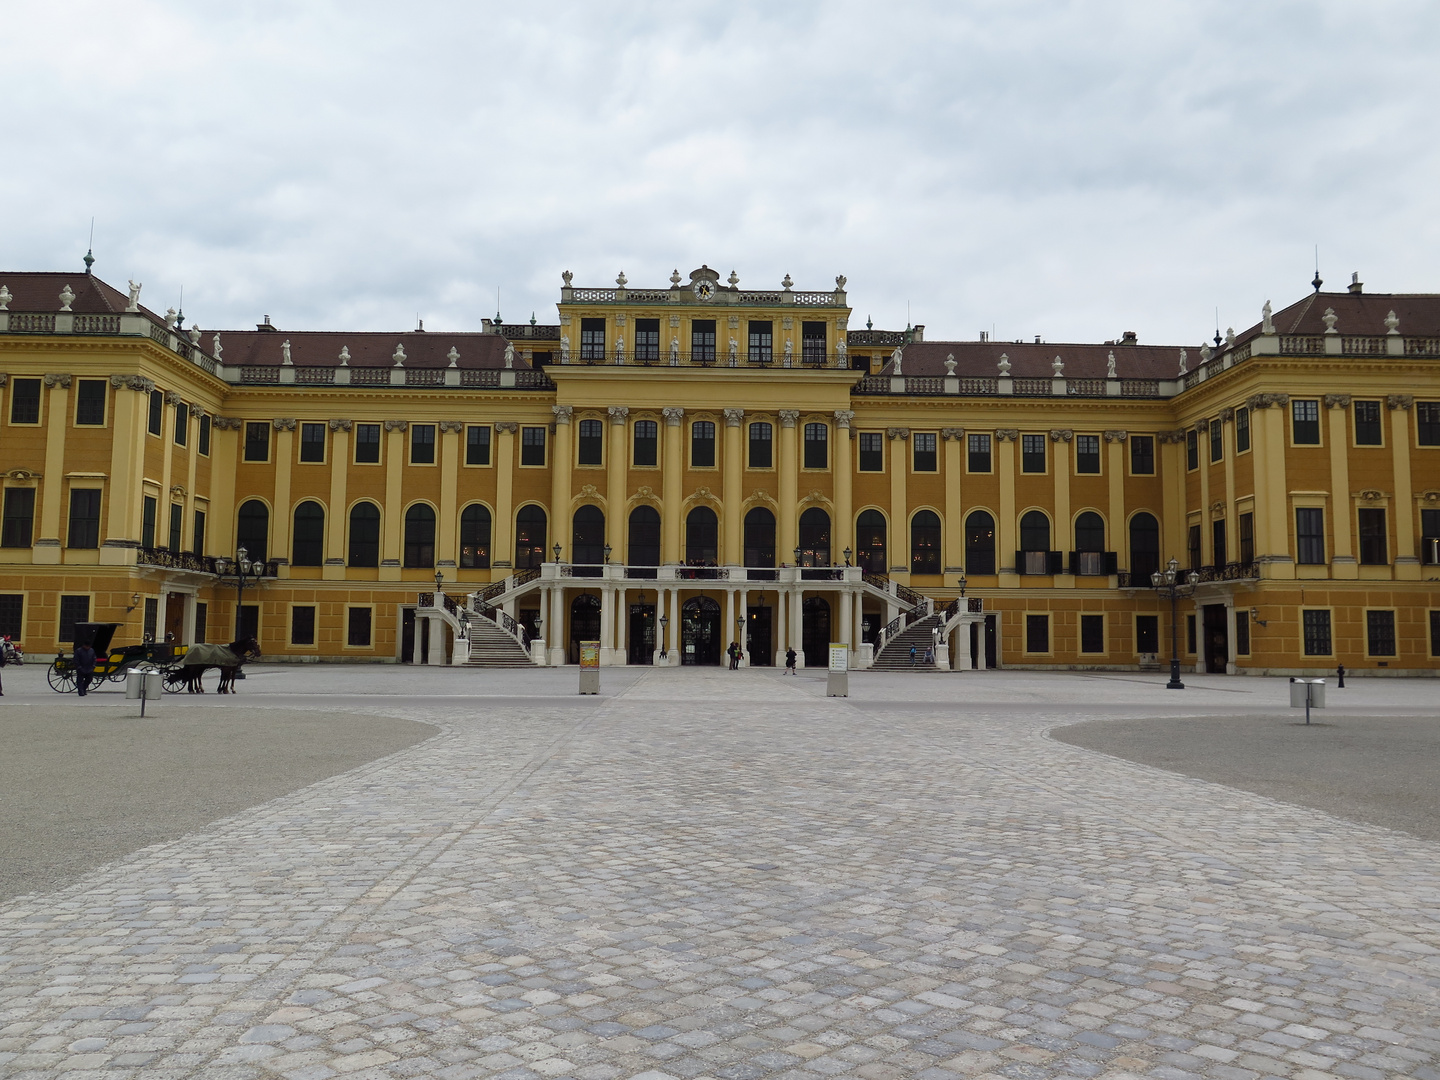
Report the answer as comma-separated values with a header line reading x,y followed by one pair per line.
x,y
797,555
847,556
439,584
244,571
608,550
1170,580
963,583
664,637
557,551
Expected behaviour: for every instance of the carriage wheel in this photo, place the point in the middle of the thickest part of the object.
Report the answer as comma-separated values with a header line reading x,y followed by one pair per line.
x,y
61,679
118,675
174,680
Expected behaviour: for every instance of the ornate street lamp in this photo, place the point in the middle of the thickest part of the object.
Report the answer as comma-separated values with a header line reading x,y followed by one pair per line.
x,y
557,550
1171,581
608,549
244,572
797,555
963,583
847,556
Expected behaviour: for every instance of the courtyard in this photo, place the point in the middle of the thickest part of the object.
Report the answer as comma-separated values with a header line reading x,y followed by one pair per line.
x,y
393,872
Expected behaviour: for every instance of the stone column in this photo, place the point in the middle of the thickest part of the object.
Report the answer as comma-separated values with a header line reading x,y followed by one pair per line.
x,y
672,464
898,534
48,544
1005,528
560,460
673,637
124,494
1207,539
732,552
339,474
730,634
953,528
616,488
224,446
1407,565
1342,548
857,615
1064,535
842,530
607,622
504,539
556,637
787,535
797,625
1171,468
394,520
778,628
280,515
1115,488
447,541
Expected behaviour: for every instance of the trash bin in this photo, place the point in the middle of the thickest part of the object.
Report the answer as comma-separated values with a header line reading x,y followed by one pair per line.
x,y
1307,691
149,683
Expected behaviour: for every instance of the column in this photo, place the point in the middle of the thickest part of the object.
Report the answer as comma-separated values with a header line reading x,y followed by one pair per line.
x,y
1172,465
953,528
787,535
1115,489
672,463
1407,566
280,514
1232,517
842,615
504,525
797,624
672,639
1282,565
124,485
394,519
1006,527
857,626
730,634
898,534
555,633
732,552
842,530
778,628
1207,545
48,545
616,488
607,622
560,460
1064,535
339,477
224,446
1342,548
447,540
187,527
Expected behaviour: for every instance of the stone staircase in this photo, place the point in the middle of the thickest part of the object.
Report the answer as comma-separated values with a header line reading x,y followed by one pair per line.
x,y
895,656
492,647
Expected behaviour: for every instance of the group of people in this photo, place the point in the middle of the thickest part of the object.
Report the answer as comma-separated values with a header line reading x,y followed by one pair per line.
x,y
9,654
735,652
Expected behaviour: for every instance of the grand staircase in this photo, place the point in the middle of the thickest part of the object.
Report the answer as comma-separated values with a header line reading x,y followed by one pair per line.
x,y
492,647
895,656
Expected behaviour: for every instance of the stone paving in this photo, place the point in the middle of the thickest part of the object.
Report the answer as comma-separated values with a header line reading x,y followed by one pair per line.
x,y
710,874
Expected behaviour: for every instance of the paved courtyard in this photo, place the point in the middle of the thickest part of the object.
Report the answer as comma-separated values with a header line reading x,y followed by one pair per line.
x,y
712,874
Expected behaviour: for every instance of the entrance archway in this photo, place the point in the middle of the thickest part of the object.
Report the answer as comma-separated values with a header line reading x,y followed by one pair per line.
x,y
584,623
815,636
700,631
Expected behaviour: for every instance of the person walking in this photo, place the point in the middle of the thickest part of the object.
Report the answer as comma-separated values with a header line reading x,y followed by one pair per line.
x,y
790,661
84,659
5,648
912,655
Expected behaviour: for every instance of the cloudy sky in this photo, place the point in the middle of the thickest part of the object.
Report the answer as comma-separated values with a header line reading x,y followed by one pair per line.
x,y
1066,169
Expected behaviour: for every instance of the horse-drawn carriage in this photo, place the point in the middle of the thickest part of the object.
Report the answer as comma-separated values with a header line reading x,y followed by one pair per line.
x,y
181,666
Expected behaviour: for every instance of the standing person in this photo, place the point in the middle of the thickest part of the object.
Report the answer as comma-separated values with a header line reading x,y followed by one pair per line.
x,y
912,655
4,658
84,667
790,661
734,656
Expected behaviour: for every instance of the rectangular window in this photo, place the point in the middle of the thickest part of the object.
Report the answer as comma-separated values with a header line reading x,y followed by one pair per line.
x,y
367,444
257,440
24,401
647,439
1380,633
1427,420
1305,422
149,515
1092,633
1435,633
84,518
1192,449
202,623
302,625
157,412
762,342
197,545
203,442
817,447
1032,453
872,451
1374,549
532,446
422,444
647,339
592,339
813,342
12,616
1217,440
150,620
923,448
590,448
182,424
1192,546
312,443
90,403
1087,454
1217,541
357,633
1247,538
702,340
1310,535
1242,632
1142,455
1316,627
1037,633
249,622
702,445
477,445
1242,430
1190,634
1147,634
1367,424
19,522
73,609
1430,537
979,453
177,520
762,444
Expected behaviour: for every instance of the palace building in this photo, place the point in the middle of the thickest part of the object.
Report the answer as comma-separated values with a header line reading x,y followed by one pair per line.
x,y
667,470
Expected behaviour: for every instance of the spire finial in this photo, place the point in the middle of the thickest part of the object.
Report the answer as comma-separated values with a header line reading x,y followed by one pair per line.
x,y
90,248
1318,280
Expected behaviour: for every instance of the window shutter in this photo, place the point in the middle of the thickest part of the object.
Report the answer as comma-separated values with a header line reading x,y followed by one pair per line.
x,y
1074,562
1019,562
1112,564
1057,562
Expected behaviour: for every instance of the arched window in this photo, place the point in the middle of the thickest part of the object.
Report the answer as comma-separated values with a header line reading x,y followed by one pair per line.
x,y
1144,546
419,536
475,537
529,537
587,536
644,536
815,537
759,537
1034,531
870,542
925,543
252,530
364,534
702,537
1089,532
979,543
307,546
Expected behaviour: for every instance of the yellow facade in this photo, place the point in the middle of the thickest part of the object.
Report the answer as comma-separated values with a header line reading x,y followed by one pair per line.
x,y
655,432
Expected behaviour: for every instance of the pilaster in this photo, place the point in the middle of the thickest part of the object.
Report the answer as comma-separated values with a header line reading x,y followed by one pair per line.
x,y
671,464
899,531
394,509
953,529
561,457
280,515
1115,492
616,486
1005,528
843,528
1342,546
1407,566
504,525
447,544
787,535
1064,538
48,544
336,554
732,552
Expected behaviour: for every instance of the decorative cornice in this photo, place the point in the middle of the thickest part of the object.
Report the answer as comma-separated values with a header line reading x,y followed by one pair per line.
x,y
673,415
178,490
562,413
505,427
1399,401
1202,425
1264,401
197,411
283,423
645,491
1061,434
948,433
23,476
734,417
618,413
1226,415
173,397
1432,496
341,425
898,432
1218,506
843,417
1337,401
397,425
1168,437
788,417
138,383
228,423
456,426
56,378
1116,436
4,378
1007,434
1371,495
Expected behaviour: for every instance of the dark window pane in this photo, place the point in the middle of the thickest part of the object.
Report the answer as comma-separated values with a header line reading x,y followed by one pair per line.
x,y
419,536
870,542
1305,420
762,342
422,444
364,535
150,513
150,621
157,412
252,531
24,401
813,342
759,537
1035,532
815,537
1242,632
532,446
702,340
1380,633
1147,634
1144,549
1192,449
872,451
19,524
1310,535
1032,453
312,442
590,450
530,538
358,628
925,543
475,537
1087,454
302,625
1142,455
1192,546
1374,546
177,518
1247,538
198,543
979,451
1367,424
1427,420
1037,633
645,535
1217,440
1089,532
647,339
12,616
702,444
182,424
923,448
84,518
1242,430
1092,633
816,446
979,543
73,609
592,339
203,443
1316,626
257,441
309,540
90,404
477,446
587,536
367,443
701,537
646,442
1218,544
762,442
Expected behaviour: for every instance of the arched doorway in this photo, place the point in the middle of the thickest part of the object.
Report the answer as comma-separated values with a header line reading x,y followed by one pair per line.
x,y
584,623
815,634
529,537
870,542
700,631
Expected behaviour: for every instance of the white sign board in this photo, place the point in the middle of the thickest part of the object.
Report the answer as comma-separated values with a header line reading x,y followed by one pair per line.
x,y
839,657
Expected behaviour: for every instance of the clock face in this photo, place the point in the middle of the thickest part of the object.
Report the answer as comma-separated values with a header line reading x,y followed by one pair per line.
x,y
704,290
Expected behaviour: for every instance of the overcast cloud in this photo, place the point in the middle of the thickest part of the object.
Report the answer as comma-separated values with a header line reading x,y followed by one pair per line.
x,y
1064,169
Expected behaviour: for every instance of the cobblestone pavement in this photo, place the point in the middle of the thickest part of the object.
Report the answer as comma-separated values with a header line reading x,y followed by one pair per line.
x,y
729,875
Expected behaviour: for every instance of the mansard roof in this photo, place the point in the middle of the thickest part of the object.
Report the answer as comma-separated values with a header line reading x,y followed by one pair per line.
x,y
1031,361
39,291
321,348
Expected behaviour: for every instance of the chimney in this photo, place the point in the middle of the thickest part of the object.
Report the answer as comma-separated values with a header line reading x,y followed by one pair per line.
x,y
1037,339
1356,285
984,335
266,325
1129,338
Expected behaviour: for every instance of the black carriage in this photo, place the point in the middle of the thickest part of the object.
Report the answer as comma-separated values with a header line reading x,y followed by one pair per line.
x,y
111,664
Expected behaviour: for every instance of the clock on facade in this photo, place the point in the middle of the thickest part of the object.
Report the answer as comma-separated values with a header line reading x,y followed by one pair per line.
x,y
703,289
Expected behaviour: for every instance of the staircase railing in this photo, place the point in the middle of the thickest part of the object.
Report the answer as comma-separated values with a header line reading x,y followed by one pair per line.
x,y
505,622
